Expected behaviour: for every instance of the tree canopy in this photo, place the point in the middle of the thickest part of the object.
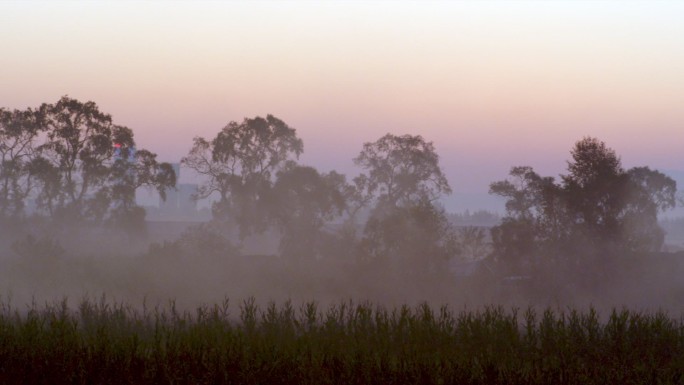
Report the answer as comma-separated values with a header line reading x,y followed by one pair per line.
x,y
403,169
19,133
74,162
239,165
597,210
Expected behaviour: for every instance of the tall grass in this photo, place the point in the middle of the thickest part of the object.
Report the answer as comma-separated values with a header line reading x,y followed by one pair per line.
x,y
99,342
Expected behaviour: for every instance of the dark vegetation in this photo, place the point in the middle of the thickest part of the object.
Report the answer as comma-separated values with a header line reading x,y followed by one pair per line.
x,y
347,343
71,225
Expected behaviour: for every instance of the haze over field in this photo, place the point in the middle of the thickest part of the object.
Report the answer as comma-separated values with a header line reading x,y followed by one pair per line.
x,y
476,192
492,84
340,143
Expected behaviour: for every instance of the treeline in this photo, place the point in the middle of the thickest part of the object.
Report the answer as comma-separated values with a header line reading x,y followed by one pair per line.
x,y
585,225
73,164
81,168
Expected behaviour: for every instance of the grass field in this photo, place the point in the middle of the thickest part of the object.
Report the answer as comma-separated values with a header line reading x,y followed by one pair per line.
x,y
99,342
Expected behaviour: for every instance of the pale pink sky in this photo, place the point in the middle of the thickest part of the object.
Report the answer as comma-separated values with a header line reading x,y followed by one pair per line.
x,y
493,84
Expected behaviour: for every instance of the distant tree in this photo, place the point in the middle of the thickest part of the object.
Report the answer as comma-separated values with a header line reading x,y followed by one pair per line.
x,y
596,189
416,239
476,218
127,175
650,192
74,161
239,165
357,195
80,148
598,210
472,243
534,205
403,170
303,202
19,134
406,229
516,245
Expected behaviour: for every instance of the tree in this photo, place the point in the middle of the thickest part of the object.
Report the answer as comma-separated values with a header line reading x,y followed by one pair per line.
x,y
417,239
536,217
596,188
239,164
597,212
472,243
18,136
81,148
357,195
406,228
403,170
128,174
303,201
650,192
75,162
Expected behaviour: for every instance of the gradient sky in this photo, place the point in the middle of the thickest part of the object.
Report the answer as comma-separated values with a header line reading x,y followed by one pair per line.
x,y
492,84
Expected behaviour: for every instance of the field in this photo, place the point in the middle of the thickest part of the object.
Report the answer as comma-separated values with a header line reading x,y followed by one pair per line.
x,y
101,342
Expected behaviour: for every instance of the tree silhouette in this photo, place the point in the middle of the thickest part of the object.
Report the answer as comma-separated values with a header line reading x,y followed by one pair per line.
x,y
405,227
303,201
75,162
239,164
402,170
81,147
417,239
18,136
129,174
598,211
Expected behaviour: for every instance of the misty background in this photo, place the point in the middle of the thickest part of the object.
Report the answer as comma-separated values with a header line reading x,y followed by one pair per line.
x,y
137,152
74,223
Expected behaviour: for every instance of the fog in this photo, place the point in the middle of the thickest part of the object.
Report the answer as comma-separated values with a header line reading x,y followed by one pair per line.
x,y
78,263
86,214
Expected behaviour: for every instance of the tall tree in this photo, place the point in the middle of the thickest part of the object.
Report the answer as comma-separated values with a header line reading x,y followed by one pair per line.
x,y
129,173
649,193
87,167
239,165
535,215
598,210
596,189
406,228
18,137
403,169
80,146
303,202
416,239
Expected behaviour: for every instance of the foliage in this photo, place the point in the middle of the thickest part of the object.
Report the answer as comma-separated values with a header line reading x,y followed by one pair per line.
x,y
417,239
18,137
106,343
80,149
405,229
303,201
202,241
239,164
76,163
597,212
472,243
38,250
403,170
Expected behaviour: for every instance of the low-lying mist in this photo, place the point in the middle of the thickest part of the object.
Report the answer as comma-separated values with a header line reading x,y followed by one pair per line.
x,y
203,267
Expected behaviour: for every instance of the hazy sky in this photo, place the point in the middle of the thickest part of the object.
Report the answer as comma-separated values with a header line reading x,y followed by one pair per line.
x,y
493,84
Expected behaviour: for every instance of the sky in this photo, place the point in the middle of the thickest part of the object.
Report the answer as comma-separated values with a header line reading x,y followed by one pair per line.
x,y
493,84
